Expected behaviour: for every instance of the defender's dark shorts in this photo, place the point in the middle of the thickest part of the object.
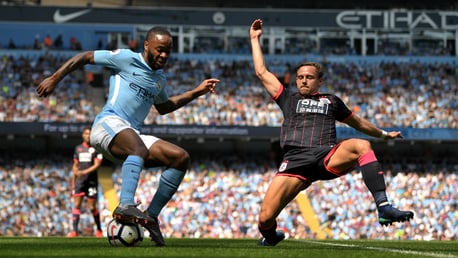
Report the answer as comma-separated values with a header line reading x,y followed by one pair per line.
x,y
90,190
309,164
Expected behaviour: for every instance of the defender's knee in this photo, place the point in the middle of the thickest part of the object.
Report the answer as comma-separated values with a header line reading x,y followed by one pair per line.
x,y
362,146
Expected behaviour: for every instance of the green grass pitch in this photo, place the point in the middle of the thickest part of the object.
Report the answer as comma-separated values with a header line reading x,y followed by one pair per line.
x,y
213,248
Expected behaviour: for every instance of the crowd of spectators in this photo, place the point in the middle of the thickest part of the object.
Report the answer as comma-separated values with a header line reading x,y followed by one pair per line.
x,y
406,94
239,45
19,77
221,200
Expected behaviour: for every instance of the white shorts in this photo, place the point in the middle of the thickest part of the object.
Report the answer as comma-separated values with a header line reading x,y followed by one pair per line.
x,y
103,132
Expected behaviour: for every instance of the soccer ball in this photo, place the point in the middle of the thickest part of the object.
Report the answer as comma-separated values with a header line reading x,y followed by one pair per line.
x,y
124,234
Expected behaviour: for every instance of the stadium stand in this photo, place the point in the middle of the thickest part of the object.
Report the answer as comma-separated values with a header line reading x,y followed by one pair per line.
x,y
380,91
216,200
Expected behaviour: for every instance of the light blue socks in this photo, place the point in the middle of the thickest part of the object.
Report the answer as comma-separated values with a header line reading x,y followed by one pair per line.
x,y
168,185
130,173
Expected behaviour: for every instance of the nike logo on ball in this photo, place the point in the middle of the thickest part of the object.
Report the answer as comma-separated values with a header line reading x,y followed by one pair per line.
x,y
61,18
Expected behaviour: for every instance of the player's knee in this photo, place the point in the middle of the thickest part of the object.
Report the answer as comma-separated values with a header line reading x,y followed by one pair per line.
x,y
181,159
362,146
185,160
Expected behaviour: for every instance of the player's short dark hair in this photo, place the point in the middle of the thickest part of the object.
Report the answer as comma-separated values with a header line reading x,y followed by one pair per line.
x,y
157,31
318,66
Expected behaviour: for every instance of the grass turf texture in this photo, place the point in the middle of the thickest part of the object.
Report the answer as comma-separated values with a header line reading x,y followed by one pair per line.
x,y
98,247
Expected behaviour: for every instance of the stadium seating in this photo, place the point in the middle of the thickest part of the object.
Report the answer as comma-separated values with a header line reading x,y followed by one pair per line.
x,y
221,200
379,89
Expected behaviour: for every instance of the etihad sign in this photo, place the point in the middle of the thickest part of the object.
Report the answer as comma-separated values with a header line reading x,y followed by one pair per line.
x,y
397,19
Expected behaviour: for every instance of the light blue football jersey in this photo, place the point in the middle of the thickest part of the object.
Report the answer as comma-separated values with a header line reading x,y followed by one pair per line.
x,y
134,86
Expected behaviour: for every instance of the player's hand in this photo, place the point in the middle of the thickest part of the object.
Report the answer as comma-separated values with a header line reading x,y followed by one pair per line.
x,y
80,173
209,85
394,134
256,29
46,87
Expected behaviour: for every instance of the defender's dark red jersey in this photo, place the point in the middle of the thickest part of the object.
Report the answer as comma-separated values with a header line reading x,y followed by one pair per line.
x,y
310,121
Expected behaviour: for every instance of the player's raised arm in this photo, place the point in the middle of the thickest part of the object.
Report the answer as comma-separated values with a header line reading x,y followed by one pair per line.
x,y
268,79
46,87
177,101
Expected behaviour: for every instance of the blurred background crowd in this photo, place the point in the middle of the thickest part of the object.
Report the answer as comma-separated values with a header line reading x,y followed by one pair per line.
x,y
380,91
221,200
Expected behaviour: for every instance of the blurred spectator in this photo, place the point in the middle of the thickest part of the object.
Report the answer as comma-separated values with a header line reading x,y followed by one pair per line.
x,y
133,45
37,44
75,44
47,42
11,44
99,44
58,42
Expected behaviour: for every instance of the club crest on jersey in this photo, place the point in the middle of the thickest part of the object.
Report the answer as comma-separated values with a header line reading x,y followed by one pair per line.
x,y
283,166
115,52
159,85
325,101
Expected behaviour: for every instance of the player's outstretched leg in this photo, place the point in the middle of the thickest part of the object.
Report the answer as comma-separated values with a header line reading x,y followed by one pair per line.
x,y
272,242
387,214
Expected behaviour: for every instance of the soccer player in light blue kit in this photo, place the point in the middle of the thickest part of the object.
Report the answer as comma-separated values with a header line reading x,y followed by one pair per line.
x,y
137,83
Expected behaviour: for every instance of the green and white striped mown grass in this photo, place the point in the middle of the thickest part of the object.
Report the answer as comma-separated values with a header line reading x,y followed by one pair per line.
x,y
213,248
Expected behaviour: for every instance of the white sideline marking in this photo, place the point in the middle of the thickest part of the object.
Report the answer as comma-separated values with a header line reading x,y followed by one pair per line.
x,y
390,250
